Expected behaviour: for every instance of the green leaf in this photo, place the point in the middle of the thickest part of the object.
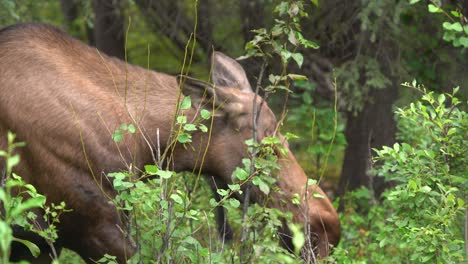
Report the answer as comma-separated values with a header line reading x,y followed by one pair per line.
x,y
401,223
296,199
293,9
264,188
151,169
298,58
396,147
277,30
124,127
165,174
222,192
425,189
176,198
298,238
285,54
297,77
316,2
318,195
190,127
35,251
213,202
452,26
457,27
305,42
412,184
11,137
184,138
282,8
131,129
117,136
240,174
441,99
203,128
205,114
464,41
433,9
34,202
186,103
13,161
181,119
311,182
292,38
455,14
234,187
234,203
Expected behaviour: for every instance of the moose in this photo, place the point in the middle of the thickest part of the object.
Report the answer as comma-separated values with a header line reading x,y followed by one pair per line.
x,y
63,98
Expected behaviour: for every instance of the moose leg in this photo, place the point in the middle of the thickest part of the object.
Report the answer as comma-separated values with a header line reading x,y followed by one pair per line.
x,y
108,240
98,234
224,228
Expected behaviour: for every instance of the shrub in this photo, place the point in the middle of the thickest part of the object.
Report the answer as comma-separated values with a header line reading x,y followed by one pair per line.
x,y
420,218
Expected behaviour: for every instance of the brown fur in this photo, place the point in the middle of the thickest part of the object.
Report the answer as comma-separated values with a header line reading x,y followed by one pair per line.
x,y
55,90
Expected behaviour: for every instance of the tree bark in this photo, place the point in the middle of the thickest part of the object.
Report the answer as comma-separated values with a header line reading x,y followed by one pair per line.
x,y
336,25
205,27
109,27
373,127
70,10
251,13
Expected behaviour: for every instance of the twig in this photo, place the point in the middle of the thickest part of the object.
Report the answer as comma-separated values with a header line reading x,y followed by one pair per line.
x,y
252,161
137,237
166,237
209,236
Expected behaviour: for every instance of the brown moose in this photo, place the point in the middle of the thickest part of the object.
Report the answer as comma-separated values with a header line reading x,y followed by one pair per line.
x,y
63,98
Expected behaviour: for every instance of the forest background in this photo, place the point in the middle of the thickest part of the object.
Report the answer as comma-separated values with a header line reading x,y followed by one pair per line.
x,y
365,51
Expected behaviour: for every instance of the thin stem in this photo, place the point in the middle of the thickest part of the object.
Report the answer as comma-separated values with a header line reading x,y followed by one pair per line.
x,y
255,115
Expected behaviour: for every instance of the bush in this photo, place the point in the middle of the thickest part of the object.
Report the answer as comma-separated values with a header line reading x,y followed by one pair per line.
x,y
420,219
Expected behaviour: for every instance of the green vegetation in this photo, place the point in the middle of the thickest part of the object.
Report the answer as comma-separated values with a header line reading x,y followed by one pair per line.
x,y
419,218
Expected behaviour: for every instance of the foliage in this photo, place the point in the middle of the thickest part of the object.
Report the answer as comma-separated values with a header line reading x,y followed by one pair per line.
x,y
365,72
18,203
420,218
12,11
311,121
281,40
169,223
455,30
375,28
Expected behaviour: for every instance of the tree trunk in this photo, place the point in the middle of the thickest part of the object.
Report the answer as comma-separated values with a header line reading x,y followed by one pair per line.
x,y
251,17
109,27
373,127
205,27
70,10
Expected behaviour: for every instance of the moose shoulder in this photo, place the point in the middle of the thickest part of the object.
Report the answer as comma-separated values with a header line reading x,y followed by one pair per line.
x,y
62,97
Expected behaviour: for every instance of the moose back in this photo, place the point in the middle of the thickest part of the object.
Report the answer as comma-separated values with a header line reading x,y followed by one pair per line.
x,y
63,98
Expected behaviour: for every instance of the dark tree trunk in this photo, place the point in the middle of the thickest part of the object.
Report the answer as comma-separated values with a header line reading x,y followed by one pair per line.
x,y
70,10
205,27
373,127
109,27
251,17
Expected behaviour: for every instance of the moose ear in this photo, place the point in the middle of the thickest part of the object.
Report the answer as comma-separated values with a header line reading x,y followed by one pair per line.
x,y
199,91
228,72
204,94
